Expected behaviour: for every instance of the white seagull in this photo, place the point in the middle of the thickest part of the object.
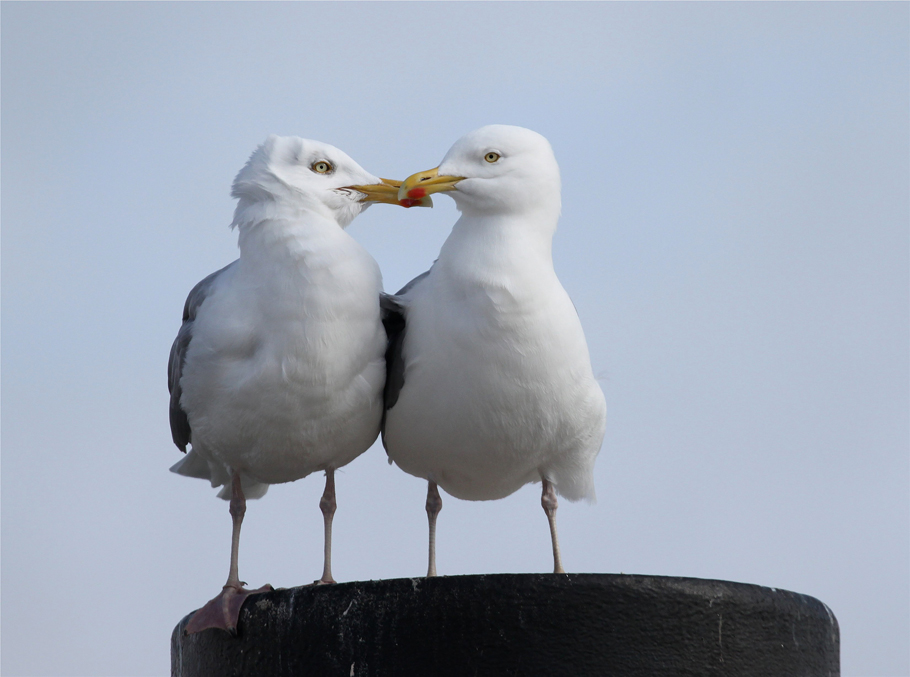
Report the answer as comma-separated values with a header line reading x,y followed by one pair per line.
x,y
278,369
490,384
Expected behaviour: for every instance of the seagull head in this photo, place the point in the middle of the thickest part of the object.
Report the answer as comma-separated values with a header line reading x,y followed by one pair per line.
x,y
494,169
288,171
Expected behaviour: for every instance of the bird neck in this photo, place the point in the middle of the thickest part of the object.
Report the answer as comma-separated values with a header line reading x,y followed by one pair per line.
x,y
272,233
499,242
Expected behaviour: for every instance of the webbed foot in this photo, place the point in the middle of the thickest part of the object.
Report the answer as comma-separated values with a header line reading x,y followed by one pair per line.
x,y
224,610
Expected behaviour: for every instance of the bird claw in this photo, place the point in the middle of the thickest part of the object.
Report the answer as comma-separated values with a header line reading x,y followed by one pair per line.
x,y
223,611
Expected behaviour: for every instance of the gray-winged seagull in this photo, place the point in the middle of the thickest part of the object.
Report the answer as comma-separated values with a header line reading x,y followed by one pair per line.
x,y
490,383
278,369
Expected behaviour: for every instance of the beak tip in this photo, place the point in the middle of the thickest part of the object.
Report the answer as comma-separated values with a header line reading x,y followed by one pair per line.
x,y
409,202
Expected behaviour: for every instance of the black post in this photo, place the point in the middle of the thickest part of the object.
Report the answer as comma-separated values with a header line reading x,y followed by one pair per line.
x,y
520,624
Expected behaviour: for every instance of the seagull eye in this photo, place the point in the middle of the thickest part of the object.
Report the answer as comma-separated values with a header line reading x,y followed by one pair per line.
x,y
322,167
491,157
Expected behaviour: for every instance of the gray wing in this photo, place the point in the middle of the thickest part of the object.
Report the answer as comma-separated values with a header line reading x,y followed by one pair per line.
x,y
395,323
180,424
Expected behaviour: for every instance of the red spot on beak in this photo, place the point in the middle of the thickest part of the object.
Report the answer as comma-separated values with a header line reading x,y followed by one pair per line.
x,y
417,193
408,203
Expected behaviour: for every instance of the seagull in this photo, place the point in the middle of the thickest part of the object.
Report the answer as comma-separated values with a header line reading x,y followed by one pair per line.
x,y
489,383
278,369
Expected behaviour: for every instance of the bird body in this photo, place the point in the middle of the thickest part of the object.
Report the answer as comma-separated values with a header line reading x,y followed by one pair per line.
x,y
494,337
285,369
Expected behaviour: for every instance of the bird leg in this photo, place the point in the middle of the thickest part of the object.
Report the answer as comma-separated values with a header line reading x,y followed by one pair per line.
x,y
434,505
549,503
224,610
327,504
238,511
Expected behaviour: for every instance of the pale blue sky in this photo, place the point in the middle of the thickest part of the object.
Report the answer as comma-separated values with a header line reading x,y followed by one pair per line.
x,y
734,235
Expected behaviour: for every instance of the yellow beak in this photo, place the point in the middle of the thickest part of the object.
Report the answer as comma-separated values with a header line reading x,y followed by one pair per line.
x,y
387,193
418,186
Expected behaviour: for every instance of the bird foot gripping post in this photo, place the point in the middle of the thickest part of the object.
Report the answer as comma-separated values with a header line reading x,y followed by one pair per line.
x,y
520,624
222,611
